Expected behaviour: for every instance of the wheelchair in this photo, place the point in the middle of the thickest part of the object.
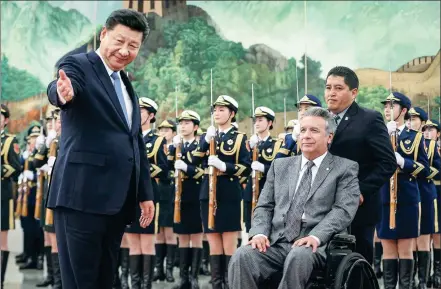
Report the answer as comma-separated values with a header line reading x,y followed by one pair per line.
x,y
344,268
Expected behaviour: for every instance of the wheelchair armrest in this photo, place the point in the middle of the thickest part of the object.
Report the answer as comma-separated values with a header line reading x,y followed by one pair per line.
x,y
343,238
342,241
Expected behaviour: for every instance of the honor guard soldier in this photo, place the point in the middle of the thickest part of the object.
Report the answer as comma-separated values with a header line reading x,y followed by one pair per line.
x,y
187,215
198,134
43,145
290,147
427,188
228,161
142,241
401,207
431,132
290,126
166,241
266,149
52,142
32,232
11,169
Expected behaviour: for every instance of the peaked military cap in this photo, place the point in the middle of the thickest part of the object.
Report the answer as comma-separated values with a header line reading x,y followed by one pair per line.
x,y
418,111
432,123
228,101
265,111
309,99
399,98
190,115
168,124
5,110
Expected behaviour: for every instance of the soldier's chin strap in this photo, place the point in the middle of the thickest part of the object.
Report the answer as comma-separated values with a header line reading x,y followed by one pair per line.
x,y
229,119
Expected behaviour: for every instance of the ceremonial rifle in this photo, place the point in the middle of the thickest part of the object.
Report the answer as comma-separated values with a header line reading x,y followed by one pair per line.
x,y
212,183
255,174
393,182
178,173
40,174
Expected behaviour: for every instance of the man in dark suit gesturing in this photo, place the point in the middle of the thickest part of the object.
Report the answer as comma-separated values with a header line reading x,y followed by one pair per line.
x,y
102,170
361,136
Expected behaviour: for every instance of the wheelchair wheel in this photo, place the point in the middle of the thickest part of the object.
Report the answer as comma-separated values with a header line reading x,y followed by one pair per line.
x,y
347,269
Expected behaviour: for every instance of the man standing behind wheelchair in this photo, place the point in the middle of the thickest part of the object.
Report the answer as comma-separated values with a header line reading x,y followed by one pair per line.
x,y
306,200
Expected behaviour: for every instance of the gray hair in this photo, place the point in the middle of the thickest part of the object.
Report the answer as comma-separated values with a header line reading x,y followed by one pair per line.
x,y
326,115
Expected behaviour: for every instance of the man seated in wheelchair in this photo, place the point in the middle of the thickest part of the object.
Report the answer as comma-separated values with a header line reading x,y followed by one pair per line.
x,y
305,201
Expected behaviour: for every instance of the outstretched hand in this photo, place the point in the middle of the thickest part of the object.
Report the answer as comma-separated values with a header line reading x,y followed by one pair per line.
x,y
64,86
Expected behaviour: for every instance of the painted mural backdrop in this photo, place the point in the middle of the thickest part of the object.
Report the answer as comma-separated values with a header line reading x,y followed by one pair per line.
x,y
243,42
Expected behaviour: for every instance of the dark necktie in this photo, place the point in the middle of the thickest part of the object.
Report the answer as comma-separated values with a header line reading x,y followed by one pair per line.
x,y
337,119
295,212
221,136
119,93
186,144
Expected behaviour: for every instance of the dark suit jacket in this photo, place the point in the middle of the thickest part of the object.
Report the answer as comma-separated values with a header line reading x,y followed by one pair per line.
x,y
362,137
98,152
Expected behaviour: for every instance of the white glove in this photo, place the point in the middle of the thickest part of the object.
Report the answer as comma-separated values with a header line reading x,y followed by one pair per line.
x,y
51,161
49,171
25,154
400,160
391,126
176,140
39,142
52,134
254,140
258,166
44,168
211,132
28,175
296,132
217,163
181,165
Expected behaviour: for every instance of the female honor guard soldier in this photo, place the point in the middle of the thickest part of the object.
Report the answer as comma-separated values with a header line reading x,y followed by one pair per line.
x,y
431,131
41,163
428,221
412,163
30,225
165,239
142,241
10,160
232,161
189,229
267,150
290,146
52,143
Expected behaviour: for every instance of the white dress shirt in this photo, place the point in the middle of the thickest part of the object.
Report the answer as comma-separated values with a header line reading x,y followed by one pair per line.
x,y
145,132
317,162
225,131
401,128
127,100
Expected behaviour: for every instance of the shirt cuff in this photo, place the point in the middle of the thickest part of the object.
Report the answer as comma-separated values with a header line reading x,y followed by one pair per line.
x,y
260,235
315,238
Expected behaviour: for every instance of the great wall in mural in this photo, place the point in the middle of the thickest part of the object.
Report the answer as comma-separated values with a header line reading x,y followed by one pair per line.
x,y
259,42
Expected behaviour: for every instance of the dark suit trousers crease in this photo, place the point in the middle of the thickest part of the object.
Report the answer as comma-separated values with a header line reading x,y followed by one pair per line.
x,y
88,244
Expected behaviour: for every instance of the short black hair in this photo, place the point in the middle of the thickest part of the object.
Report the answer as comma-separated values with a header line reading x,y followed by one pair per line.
x,y
130,18
350,78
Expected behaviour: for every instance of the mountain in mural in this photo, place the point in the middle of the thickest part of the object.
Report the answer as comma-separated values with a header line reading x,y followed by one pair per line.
x,y
358,34
35,34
